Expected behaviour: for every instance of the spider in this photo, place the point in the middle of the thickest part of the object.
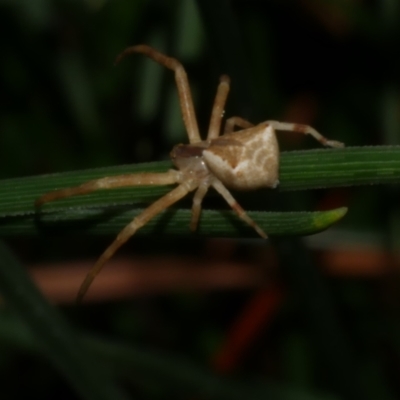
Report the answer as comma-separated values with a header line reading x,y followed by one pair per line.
x,y
245,159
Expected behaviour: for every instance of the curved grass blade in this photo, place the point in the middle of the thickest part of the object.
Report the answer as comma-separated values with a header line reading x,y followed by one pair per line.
x,y
111,220
57,340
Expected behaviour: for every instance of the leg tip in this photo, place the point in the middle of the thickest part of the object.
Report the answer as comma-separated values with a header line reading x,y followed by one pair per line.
x,y
334,143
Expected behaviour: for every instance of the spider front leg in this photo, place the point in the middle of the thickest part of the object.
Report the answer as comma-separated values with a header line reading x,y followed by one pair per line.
x,y
112,182
145,216
185,97
218,107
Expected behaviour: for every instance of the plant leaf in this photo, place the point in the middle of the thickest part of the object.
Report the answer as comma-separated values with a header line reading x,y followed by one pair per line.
x,y
111,220
175,375
56,338
309,169
299,170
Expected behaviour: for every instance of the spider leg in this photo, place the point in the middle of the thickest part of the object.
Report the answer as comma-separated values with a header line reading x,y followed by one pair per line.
x,y
231,122
185,97
196,208
224,192
218,107
145,216
306,130
112,182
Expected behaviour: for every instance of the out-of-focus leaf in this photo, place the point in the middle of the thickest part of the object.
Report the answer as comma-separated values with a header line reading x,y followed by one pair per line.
x,y
56,338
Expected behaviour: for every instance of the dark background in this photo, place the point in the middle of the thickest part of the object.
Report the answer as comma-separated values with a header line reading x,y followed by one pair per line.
x,y
334,326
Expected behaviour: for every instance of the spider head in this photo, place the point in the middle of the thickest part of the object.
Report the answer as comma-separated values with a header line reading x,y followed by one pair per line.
x,y
189,158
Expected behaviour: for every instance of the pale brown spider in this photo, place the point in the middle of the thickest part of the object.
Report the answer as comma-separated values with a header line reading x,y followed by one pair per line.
x,y
246,159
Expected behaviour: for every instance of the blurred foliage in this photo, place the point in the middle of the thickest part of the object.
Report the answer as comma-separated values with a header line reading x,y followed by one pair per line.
x,y
64,106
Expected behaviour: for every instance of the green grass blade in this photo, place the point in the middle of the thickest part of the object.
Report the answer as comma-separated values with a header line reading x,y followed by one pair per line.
x,y
308,169
350,166
170,222
299,170
55,337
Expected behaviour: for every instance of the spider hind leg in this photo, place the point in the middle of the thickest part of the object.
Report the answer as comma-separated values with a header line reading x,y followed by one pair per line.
x,y
224,192
306,130
196,208
140,220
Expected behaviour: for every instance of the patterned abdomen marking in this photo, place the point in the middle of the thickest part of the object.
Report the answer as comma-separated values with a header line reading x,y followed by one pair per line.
x,y
245,160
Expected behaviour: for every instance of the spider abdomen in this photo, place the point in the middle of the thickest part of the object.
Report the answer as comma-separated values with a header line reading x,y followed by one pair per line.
x,y
246,159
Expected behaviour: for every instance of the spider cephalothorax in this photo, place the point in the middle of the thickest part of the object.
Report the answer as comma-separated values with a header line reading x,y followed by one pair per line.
x,y
245,159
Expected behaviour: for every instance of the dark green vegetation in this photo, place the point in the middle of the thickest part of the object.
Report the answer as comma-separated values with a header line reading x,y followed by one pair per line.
x,y
333,64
